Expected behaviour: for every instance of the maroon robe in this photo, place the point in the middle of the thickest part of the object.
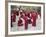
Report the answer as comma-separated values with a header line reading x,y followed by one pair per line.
x,y
20,22
26,21
34,17
13,17
29,20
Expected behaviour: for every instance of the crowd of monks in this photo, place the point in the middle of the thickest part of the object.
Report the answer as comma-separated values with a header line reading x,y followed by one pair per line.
x,y
25,17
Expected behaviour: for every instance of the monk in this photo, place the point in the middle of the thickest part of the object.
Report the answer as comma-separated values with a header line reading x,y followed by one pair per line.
x,y
34,18
13,17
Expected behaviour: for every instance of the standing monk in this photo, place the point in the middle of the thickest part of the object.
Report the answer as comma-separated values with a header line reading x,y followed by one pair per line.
x,y
13,17
34,18
26,21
